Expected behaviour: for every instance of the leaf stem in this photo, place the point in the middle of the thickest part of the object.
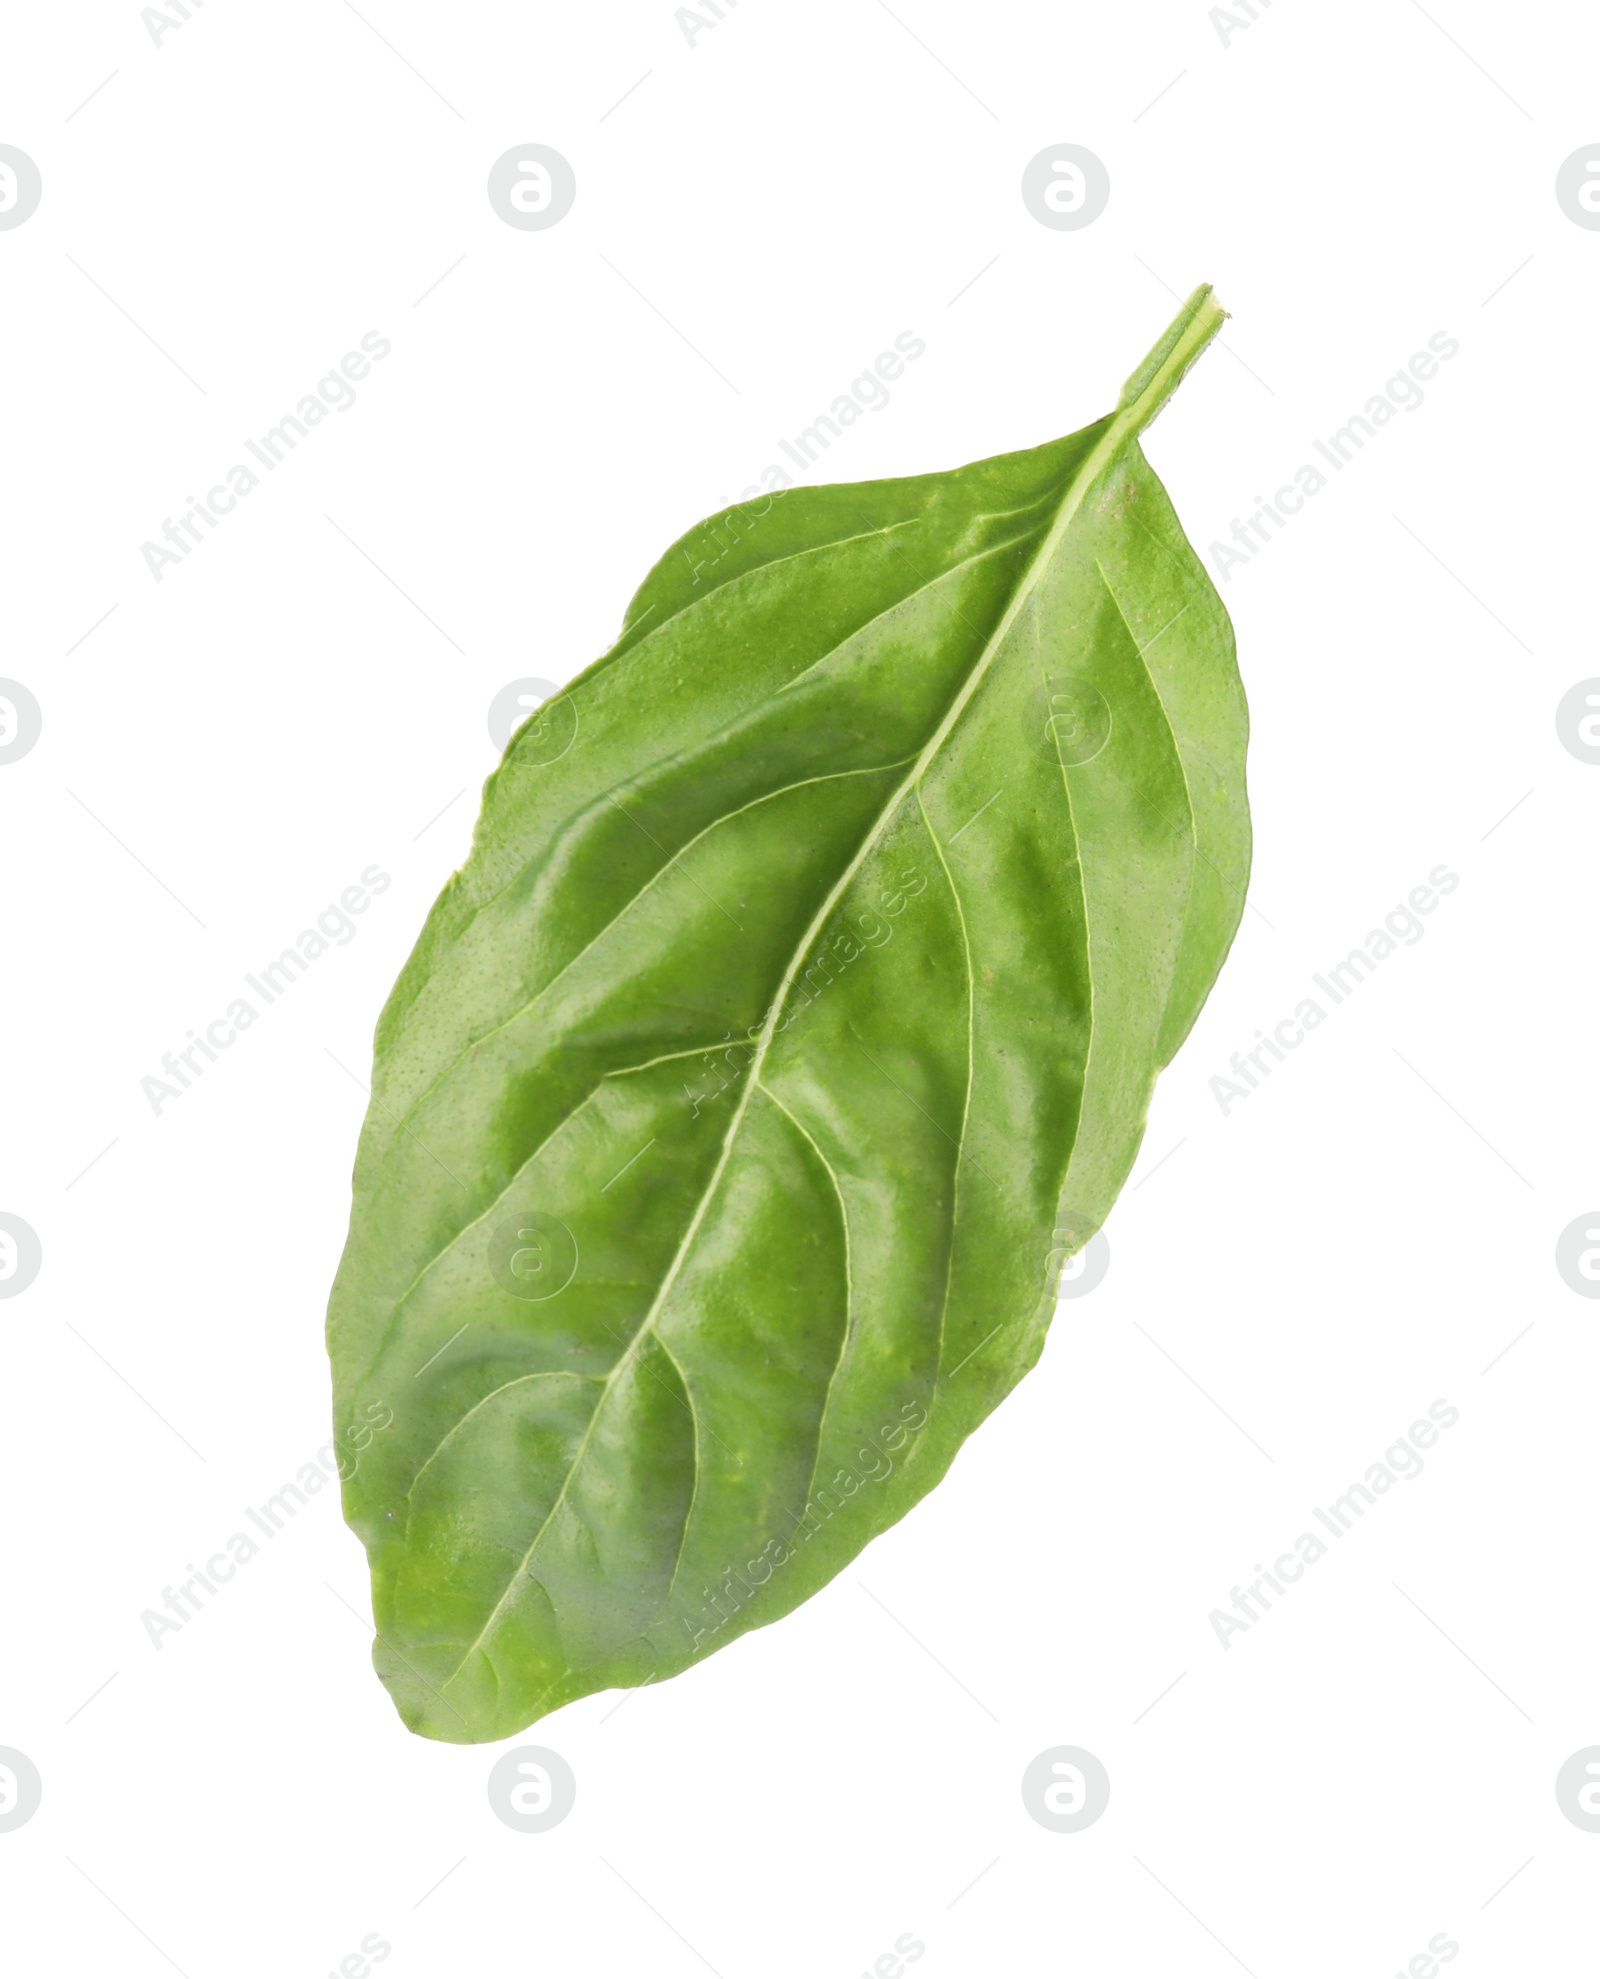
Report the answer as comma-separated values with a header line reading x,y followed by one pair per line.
x,y
1162,371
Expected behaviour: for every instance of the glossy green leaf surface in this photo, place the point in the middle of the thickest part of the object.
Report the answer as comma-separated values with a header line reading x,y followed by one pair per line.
x,y
794,1017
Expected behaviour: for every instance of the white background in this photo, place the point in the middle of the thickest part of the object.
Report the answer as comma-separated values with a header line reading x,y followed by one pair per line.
x,y
305,695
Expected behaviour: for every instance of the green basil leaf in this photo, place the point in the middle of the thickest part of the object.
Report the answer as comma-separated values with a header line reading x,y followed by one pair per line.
x,y
794,1017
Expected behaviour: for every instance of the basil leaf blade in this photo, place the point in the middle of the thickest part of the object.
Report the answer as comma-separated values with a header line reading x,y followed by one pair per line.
x,y
795,1015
